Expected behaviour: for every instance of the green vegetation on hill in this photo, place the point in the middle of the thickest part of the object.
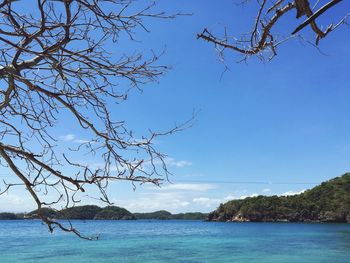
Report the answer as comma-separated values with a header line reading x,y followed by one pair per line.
x,y
8,216
189,216
114,213
328,202
85,212
160,215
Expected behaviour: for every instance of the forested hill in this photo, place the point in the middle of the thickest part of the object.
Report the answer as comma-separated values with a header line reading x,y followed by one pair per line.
x,y
328,202
93,212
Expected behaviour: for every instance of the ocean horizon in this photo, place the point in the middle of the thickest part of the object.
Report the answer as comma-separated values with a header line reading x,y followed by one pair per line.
x,y
174,241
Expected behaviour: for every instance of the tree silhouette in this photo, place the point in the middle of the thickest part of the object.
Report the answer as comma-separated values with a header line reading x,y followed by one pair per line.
x,y
59,58
265,37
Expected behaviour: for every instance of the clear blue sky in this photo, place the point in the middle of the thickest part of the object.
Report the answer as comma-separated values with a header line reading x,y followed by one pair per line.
x,y
282,121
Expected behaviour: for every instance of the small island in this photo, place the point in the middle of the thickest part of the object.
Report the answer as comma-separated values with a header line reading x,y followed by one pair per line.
x,y
327,202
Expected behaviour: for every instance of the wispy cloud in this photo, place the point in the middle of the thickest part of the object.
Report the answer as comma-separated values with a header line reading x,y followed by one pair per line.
x,y
206,201
192,175
169,162
188,187
67,137
72,138
15,203
172,162
81,141
266,190
212,202
155,201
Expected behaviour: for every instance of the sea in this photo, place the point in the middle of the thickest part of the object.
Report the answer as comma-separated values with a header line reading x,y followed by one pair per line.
x,y
170,241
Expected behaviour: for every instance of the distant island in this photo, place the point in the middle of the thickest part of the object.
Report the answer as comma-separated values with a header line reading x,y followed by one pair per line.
x,y
165,215
93,212
327,202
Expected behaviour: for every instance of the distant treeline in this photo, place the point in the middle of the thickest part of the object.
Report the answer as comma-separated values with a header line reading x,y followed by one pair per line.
x,y
165,215
92,212
328,202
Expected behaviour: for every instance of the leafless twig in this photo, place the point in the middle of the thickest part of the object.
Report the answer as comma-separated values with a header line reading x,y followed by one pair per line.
x,y
57,58
262,40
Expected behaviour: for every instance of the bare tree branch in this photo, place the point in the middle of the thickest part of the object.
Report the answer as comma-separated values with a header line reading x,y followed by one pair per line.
x,y
262,40
58,58
312,18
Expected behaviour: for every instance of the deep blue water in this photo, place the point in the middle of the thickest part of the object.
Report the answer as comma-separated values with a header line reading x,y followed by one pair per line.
x,y
176,241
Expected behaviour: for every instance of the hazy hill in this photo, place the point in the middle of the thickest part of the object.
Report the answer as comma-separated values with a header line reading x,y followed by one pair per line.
x,y
165,215
160,215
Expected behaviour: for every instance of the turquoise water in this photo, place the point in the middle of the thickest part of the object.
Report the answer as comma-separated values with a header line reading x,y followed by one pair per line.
x,y
176,241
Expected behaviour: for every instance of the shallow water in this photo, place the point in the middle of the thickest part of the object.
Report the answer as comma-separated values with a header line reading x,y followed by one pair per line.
x,y
175,241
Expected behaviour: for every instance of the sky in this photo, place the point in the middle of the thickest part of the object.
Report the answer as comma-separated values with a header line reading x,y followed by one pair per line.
x,y
263,128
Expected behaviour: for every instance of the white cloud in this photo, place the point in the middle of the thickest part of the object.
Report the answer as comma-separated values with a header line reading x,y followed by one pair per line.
x,y
16,203
206,201
212,202
67,137
169,162
155,201
81,141
73,138
172,162
293,192
188,187
11,199
192,175
266,190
